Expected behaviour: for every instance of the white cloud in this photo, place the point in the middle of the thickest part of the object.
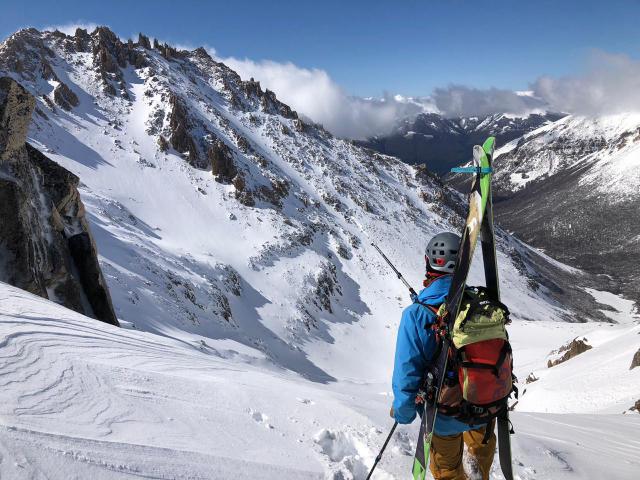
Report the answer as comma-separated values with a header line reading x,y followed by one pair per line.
x,y
314,94
462,101
70,27
189,47
611,84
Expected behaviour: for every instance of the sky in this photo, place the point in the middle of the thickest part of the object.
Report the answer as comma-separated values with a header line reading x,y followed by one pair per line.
x,y
421,44
468,55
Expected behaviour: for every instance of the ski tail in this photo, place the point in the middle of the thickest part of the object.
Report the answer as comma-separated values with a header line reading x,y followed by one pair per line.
x,y
504,445
423,450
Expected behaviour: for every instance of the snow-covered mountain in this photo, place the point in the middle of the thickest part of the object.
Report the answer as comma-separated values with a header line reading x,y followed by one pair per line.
x,y
272,251
442,143
572,188
235,238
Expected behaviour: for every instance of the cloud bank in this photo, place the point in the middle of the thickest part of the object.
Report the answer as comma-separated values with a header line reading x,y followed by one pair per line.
x,y
315,95
611,84
462,101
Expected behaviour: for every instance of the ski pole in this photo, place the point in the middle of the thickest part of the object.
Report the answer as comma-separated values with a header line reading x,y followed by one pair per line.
x,y
412,292
379,457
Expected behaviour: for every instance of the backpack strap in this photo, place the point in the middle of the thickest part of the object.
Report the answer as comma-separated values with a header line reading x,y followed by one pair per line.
x,y
434,309
488,431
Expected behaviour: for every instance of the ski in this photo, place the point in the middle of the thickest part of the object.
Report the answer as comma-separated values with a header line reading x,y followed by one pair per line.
x,y
478,198
487,240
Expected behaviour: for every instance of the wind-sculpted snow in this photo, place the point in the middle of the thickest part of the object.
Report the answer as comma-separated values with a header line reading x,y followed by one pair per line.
x,y
81,399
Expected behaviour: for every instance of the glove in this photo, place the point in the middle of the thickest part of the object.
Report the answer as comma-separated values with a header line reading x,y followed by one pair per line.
x,y
391,413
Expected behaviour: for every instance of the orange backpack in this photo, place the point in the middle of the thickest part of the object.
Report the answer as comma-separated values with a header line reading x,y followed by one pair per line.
x,y
479,377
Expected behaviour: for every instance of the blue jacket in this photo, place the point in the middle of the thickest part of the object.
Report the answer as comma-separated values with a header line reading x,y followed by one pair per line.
x,y
415,348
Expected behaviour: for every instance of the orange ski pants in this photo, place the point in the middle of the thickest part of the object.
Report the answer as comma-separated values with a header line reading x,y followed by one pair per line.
x,y
446,454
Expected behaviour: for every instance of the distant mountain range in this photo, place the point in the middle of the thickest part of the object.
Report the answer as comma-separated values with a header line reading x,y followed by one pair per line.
x,y
442,143
571,188
565,184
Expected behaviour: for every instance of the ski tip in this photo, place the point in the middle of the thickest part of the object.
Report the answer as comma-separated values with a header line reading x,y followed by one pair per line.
x,y
478,153
489,145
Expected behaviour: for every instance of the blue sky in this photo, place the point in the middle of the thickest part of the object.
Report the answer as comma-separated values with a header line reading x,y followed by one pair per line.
x,y
369,47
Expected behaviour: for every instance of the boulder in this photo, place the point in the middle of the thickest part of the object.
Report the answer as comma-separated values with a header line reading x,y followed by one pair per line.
x,y
531,378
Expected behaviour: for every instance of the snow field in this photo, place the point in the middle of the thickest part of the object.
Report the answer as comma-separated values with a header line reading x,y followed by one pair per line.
x,y
81,399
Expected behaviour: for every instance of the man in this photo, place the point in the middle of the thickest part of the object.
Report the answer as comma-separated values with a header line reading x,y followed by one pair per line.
x,y
415,349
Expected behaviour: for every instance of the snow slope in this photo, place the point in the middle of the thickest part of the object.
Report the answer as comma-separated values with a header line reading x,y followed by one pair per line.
x,y
608,144
82,399
596,381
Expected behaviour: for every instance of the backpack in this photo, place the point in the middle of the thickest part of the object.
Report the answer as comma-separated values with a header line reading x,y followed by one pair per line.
x,y
479,377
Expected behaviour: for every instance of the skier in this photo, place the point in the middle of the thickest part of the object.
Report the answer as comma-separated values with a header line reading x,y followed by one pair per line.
x,y
416,348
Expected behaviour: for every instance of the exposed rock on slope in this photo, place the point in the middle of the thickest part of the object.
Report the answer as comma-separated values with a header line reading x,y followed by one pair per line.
x,y
45,243
568,351
636,360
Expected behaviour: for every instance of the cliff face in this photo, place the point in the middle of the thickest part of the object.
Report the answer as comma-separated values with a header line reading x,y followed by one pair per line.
x,y
45,243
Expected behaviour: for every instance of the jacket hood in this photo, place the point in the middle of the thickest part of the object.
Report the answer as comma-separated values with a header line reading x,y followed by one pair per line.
x,y
435,293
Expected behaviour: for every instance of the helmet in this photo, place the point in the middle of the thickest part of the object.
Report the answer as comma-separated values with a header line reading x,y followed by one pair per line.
x,y
442,251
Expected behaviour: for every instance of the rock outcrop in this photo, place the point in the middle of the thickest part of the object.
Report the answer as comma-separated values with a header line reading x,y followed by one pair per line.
x,y
64,97
531,378
181,139
636,360
570,350
221,158
45,243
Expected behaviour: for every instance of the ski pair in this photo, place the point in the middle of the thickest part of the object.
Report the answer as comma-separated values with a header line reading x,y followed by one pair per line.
x,y
479,224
